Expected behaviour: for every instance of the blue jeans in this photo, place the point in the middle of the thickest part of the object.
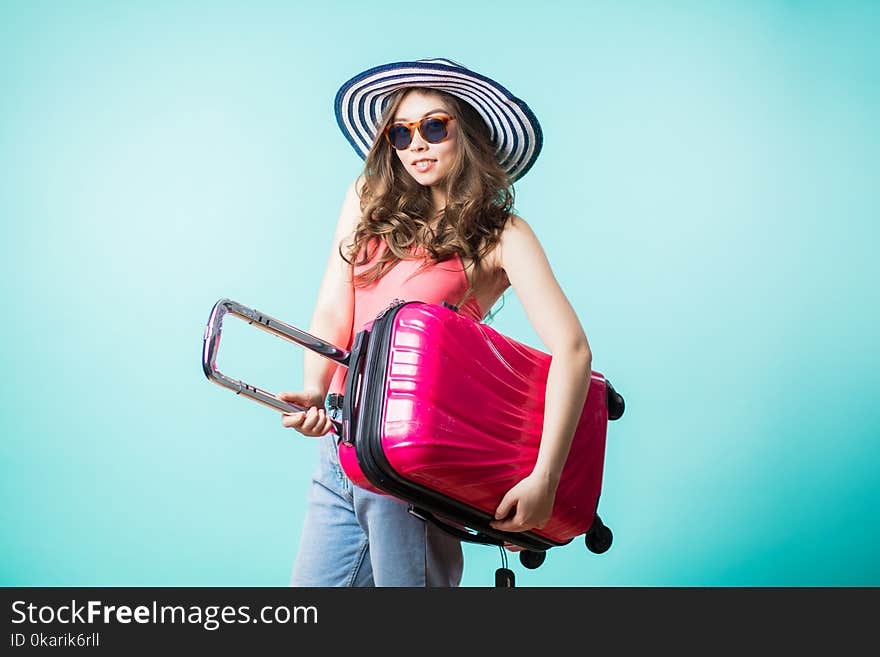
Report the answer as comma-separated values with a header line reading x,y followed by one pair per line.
x,y
354,537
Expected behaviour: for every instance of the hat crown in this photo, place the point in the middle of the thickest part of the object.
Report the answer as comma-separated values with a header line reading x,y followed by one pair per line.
x,y
442,60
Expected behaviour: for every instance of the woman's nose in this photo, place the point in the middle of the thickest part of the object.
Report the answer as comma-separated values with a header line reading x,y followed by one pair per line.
x,y
418,143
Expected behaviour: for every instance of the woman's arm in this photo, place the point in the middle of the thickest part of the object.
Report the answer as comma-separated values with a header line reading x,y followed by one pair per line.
x,y
529,503
334,309
331,321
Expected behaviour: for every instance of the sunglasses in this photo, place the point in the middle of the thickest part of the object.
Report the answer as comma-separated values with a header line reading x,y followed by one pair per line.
x,y
431,128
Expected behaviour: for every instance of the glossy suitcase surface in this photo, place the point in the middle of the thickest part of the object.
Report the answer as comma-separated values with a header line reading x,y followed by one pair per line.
x,y
446,414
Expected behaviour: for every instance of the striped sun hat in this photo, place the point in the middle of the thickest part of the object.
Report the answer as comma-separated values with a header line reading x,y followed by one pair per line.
x,y
513,127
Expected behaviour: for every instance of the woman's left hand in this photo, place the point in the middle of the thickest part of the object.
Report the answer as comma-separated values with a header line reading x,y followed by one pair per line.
x,y
529,504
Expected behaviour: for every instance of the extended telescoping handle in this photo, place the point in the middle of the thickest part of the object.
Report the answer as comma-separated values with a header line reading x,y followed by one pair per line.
x,y
271,325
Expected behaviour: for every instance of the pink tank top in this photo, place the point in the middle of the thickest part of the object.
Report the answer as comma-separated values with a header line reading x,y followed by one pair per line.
x,y
439,281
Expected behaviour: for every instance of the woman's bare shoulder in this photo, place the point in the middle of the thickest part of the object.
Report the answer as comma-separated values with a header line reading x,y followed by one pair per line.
x,y
515,225
515,231
350,215
357,186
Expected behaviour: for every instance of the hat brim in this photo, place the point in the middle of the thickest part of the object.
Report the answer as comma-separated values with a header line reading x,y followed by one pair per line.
x,y
514,130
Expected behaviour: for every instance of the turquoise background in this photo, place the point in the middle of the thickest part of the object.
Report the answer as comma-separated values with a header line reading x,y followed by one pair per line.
x,y
707,195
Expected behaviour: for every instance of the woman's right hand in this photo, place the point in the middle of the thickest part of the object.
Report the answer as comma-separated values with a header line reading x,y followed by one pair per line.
x,y
313,422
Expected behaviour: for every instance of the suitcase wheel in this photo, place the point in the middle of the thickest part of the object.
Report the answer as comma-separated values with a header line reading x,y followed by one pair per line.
x,y
598,538
614,401
532,558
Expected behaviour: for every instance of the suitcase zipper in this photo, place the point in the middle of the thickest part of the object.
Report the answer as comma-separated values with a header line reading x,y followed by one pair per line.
x,y
358,354
394,303
379,345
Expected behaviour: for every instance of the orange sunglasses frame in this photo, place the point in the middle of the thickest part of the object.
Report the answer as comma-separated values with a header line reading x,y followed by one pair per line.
x,y
417,125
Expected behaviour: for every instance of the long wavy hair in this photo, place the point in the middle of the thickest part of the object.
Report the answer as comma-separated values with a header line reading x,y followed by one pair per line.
x,y
397,210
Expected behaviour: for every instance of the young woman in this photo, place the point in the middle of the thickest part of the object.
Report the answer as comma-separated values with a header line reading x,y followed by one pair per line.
x,y
430,219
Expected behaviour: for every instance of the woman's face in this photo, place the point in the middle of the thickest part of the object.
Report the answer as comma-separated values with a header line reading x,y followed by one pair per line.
x,y
436,159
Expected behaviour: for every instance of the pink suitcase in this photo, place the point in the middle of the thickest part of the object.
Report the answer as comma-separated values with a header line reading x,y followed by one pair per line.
x,y
446,413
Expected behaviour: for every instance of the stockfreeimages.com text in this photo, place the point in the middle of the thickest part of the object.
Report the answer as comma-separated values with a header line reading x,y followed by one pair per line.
x,y
211,617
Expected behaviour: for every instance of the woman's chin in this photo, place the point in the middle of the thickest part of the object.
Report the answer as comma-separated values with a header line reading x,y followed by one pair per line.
x,y
428,179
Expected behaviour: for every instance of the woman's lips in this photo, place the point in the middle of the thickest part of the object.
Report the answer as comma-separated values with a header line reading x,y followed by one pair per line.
x,y
423,165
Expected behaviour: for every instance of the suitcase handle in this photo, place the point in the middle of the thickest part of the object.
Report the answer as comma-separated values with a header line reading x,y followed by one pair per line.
x,y
454,530
525,540
211,346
